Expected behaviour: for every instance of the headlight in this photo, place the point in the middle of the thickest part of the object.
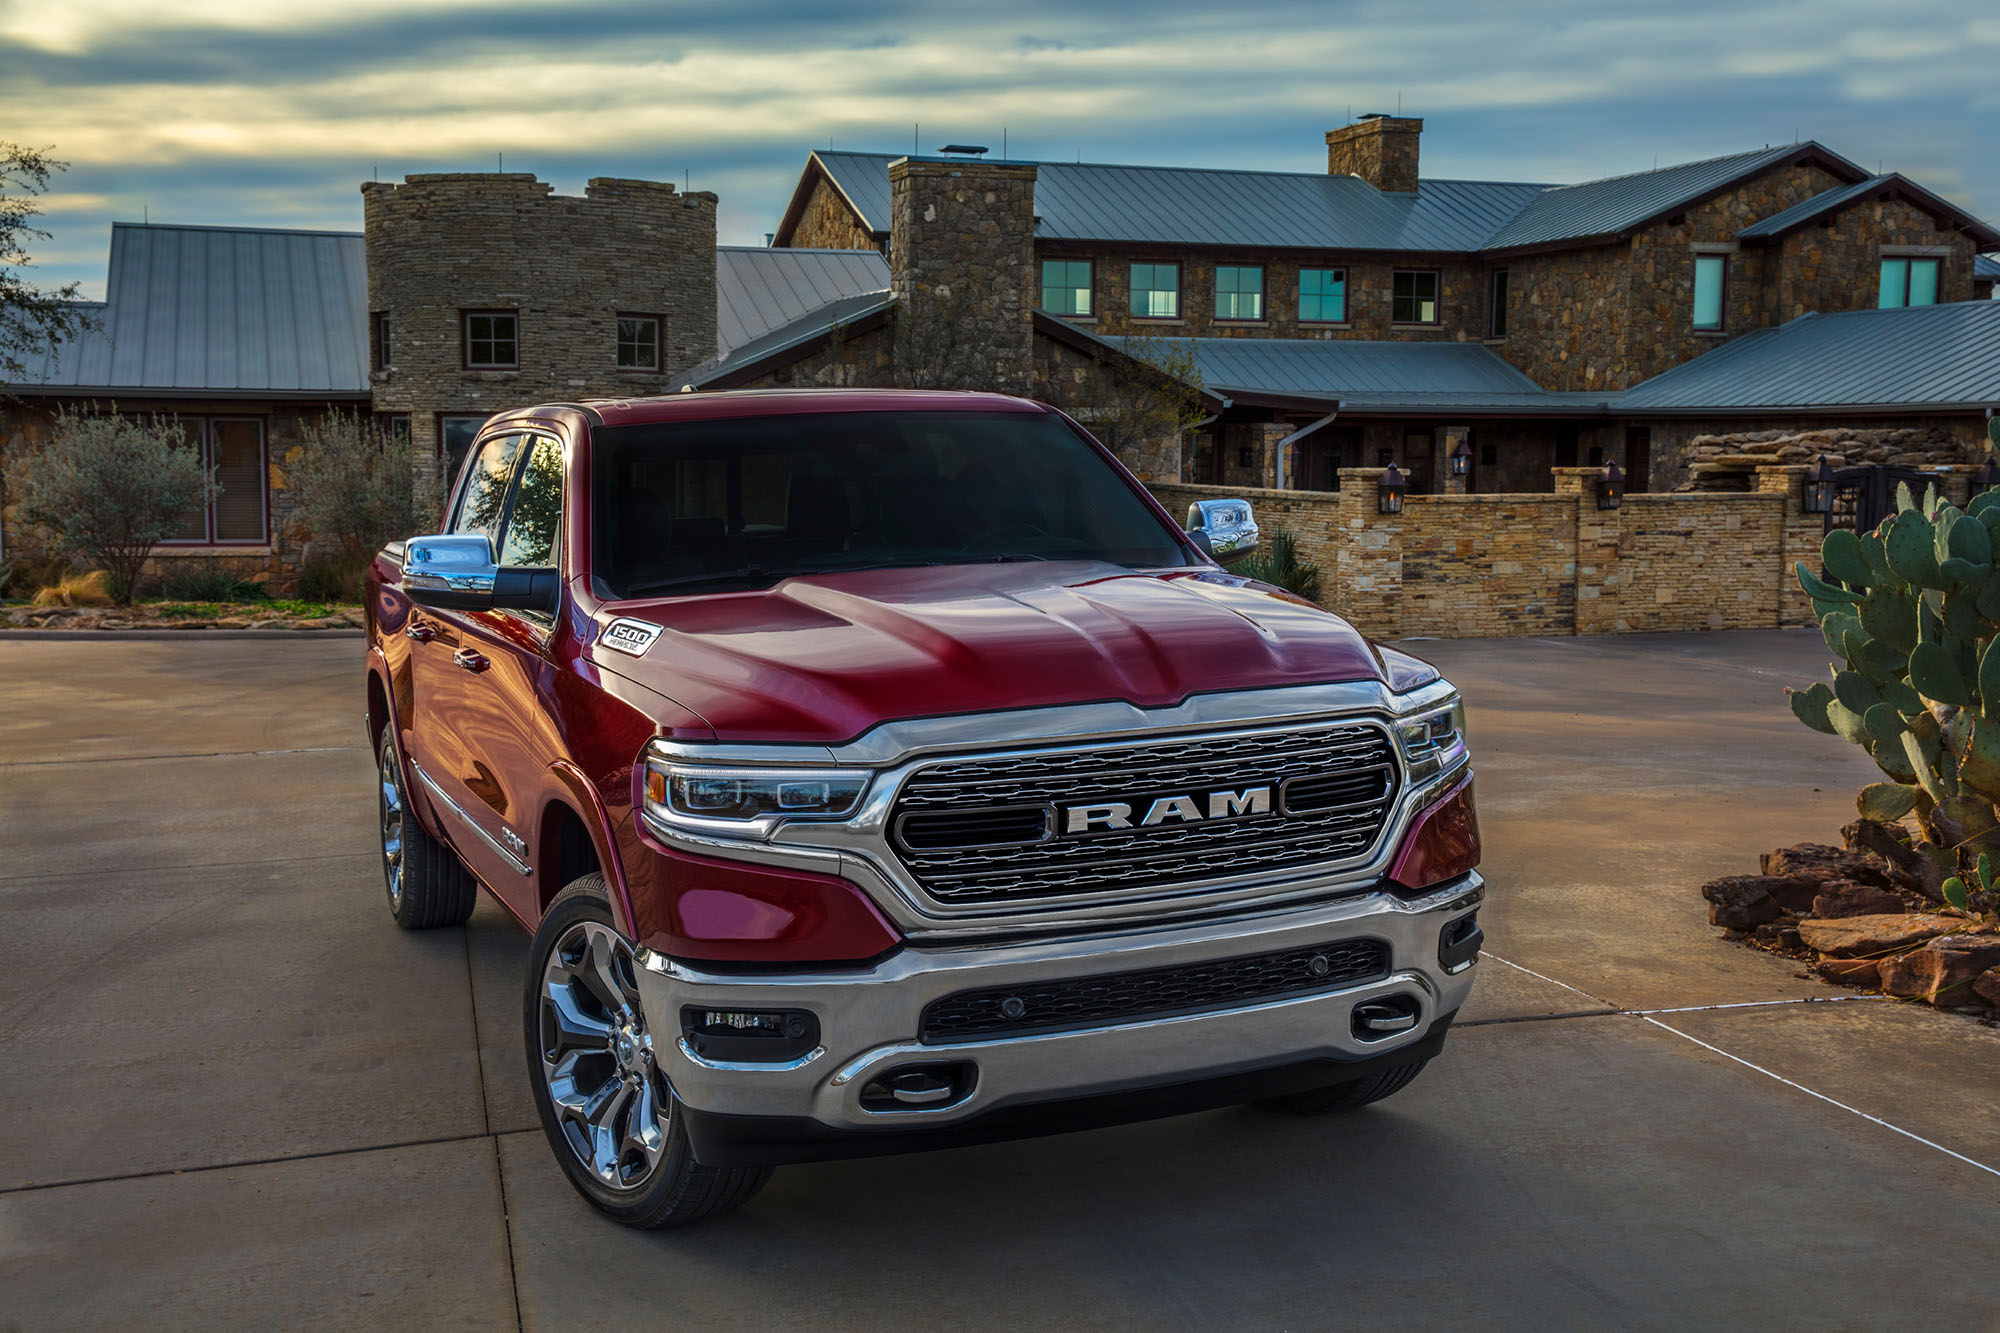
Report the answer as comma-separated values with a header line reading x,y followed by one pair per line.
x,y
1433,741
738,801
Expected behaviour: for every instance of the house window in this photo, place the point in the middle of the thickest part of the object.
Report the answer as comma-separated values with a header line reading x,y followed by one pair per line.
x,y
1066,286
1323,295
1908,282
1239,291
1496,308
232,448
455,436
394,428
639,342
492,340
1711,279
378,340
1413,297
1156,291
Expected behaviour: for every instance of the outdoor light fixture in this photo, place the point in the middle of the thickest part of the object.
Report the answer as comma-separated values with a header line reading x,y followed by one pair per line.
x,y
1819,487
1987,477
1461,459
1389,491
1610,486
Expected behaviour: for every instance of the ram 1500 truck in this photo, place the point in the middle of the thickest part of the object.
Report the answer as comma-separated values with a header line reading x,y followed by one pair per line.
x,y
882,771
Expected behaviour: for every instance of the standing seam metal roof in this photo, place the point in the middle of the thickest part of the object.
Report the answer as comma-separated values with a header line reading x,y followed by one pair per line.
x,y
759,289
223,310
1986,266
1807,209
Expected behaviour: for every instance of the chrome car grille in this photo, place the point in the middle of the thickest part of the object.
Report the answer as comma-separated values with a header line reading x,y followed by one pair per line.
x,y
991,829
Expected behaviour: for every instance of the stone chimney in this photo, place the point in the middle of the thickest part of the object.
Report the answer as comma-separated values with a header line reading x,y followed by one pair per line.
x,y
1381,150
962,248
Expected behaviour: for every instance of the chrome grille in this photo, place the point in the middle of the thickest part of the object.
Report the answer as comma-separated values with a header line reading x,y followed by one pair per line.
x,y
1334,784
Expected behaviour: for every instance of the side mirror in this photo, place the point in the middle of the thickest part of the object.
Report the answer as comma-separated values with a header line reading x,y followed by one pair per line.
x,y
455,572
1226,529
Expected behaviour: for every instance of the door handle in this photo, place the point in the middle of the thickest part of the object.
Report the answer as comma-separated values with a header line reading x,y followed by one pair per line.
x,y
470,660
419,631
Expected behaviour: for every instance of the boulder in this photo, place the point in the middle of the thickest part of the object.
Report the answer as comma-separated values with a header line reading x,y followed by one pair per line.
x,y
1987,985
1874,936
1744,902
1844,897
1816,860
1848,971
1942,972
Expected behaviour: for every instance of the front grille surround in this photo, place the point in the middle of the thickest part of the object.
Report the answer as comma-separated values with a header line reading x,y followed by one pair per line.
x,y
1346,766
1076,1003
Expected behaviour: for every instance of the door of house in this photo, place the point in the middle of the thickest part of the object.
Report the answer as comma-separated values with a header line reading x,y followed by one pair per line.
x,y
1638,457
1323,455
1864,496
1419,460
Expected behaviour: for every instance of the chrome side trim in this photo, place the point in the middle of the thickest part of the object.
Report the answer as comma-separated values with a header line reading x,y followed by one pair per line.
x,y
515,863
748,1067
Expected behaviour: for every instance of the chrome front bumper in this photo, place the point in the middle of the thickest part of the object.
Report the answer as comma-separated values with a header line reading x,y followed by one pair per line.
x,y
870,1019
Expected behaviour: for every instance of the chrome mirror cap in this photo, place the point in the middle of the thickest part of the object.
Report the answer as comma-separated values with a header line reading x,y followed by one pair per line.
x,y
450,570
1229,524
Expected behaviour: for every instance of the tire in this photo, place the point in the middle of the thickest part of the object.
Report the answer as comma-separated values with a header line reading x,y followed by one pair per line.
x,y
1347,1096
428,886
624,1149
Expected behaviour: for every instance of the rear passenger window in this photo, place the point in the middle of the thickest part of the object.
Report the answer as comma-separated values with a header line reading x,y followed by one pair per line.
x,y
536,519
483,505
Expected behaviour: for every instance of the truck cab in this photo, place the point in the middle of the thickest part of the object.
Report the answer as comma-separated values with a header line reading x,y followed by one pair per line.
x,y
881,770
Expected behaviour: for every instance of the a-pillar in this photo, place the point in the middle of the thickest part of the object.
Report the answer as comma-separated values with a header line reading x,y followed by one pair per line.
x,y
1600,537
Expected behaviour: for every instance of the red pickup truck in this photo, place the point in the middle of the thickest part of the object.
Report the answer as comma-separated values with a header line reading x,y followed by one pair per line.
x,y
882,771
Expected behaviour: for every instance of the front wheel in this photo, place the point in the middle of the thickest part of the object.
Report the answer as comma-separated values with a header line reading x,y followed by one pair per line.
x,y
608,1110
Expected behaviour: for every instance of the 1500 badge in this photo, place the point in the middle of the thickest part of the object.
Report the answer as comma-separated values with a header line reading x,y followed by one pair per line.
x,y
629,636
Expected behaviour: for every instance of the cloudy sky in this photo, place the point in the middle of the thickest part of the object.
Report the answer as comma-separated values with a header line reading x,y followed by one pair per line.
x,y
262,112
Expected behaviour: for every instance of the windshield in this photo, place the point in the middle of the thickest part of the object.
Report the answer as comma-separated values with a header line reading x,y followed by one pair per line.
x,y
702,505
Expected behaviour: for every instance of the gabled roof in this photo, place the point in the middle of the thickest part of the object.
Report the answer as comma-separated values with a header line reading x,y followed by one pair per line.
x,y
1986,266
1618,204
789,343
1910,358
1888,185
758,289
210,311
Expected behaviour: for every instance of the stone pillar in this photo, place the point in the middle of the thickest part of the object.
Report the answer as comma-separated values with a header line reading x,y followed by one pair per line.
x,y
1369,556
1799,538
1600,541
962,257
1449,438
1381,150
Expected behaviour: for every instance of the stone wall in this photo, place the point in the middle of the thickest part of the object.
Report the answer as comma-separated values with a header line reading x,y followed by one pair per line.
x,y
1382,150
1693,454
1838,266
828,222
1566,317
962,241
439,245
1107,402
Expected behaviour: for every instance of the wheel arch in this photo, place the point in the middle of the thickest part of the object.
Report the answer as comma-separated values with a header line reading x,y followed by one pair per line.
x,y
573,838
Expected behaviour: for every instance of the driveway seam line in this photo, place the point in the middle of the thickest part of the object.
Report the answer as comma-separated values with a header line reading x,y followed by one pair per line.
x,y
192,754
249,1162
486,1119
197,865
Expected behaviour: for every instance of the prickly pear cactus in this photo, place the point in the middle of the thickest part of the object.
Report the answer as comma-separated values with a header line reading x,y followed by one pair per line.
x,y
1912,616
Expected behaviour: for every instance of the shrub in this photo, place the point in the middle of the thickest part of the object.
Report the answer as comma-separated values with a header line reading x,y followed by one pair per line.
x,y
92,589
26,575
359,488
320,582
1913,617
1281,567
110,488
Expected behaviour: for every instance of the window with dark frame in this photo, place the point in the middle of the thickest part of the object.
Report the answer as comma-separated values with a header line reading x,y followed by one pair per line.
x,y
1413,296
492,340
1239,291
378,340
1323,295
639,339
1156,291
232,448
1711,284
1907,282
1496,307
1066,287
455,435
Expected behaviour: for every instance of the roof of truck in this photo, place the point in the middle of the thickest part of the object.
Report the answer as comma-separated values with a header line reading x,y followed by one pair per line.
x,y
787,402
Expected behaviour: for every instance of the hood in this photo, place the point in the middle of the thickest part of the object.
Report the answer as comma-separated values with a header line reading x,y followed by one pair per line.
x,y
821,660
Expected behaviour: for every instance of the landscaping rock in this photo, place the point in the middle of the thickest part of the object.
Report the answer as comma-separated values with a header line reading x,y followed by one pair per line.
x,y
1987,986
1816,860
1744,902
1849,971
1942,971
1844,897
1874,936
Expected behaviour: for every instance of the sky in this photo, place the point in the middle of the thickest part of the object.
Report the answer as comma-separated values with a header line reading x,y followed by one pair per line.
x,y
271,112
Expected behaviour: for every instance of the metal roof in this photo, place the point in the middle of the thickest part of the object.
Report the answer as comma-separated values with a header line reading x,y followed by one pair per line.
x,y
1194,206
759,289
222,310
1986,266
773,343
1945,356
1808,209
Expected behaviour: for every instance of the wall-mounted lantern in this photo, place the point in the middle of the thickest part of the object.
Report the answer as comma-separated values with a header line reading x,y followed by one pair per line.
x,y
1610,486
1461,460
1987,477
1818,497
1389,491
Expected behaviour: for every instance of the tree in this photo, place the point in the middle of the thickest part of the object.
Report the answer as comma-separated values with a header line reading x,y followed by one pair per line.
x,y
110,488
31,319
1146,398
358,487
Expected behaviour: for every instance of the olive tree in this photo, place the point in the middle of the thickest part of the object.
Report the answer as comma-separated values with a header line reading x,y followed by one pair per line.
x,y
110,488
358,487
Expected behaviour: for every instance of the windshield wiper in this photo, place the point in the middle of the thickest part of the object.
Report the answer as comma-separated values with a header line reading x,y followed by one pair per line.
x,y
1010,557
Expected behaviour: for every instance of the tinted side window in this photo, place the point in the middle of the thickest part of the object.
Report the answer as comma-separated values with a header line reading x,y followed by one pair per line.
x,y
536,519
484,502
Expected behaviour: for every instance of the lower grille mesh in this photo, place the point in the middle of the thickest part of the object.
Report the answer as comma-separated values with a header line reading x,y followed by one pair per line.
x,y
1128,996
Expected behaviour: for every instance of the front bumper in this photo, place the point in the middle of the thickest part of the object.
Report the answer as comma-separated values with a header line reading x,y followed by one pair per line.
x,y
870,1020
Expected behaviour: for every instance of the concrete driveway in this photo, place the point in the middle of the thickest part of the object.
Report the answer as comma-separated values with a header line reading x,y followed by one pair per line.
x,y
236,1094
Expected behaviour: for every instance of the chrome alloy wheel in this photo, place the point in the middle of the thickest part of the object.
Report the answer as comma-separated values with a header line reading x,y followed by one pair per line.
x,y
598,1062
392,823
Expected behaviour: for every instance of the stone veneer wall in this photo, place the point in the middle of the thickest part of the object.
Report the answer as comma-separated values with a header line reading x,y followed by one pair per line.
x,y
438,245
1915,441
1838,267
827,222
964,231
1382,150
1464,566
